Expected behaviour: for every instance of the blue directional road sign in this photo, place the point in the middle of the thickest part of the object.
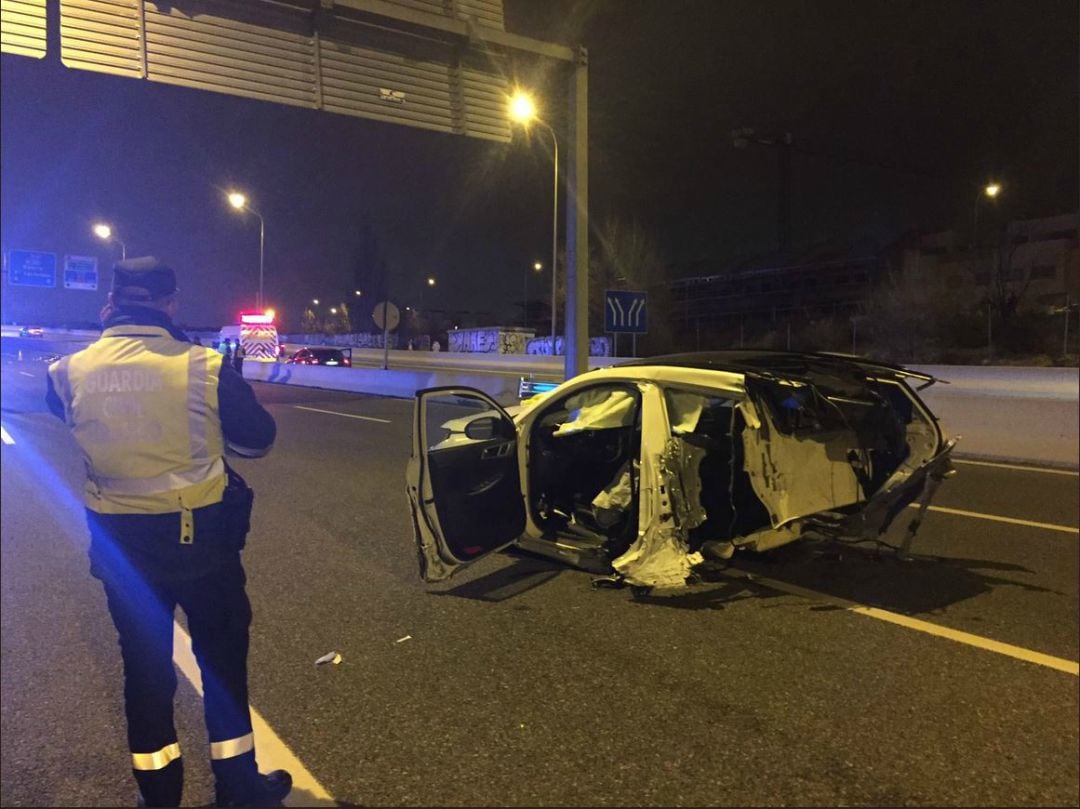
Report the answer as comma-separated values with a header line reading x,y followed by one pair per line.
x,y
80,272
29,268
625,312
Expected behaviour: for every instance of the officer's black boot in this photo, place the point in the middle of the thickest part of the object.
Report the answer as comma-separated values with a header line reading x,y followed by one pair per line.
x,y
239,783
161,787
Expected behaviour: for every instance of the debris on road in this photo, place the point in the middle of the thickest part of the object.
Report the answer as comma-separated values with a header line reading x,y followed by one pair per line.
x,y
401,640
330,657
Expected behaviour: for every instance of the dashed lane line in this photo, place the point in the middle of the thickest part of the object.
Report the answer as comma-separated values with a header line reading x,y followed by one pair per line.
x,y
271,751
25,373
1020,467
346,415
6,437
987,644
1048,526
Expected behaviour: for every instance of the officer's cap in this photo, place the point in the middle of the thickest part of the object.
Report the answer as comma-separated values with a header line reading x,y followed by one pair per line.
x,y
143,279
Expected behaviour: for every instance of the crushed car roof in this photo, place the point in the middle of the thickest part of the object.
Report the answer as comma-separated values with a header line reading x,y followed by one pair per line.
x,y
783,363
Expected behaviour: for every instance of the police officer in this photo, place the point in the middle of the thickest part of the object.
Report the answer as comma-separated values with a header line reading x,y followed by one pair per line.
x,y
154,415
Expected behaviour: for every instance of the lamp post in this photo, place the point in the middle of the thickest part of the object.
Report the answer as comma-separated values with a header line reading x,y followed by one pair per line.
x,y
240,203
105,232
536,267
523,111
990,191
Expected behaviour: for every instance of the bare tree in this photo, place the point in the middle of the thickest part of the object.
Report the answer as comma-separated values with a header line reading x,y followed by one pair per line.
x,y
625,255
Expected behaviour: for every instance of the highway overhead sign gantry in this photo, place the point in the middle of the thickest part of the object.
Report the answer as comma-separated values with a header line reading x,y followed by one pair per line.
x,y
625,312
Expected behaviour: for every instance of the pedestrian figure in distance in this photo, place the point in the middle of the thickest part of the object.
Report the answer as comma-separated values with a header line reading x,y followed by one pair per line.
x,y
238,358
228,352
154,416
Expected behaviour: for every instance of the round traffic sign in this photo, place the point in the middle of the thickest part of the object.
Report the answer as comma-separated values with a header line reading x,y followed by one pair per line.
x,y
391,314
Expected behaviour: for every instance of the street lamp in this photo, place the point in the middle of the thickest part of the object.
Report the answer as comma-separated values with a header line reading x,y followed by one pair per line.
x,y
990,191
537,267
522,110
240,203
105,233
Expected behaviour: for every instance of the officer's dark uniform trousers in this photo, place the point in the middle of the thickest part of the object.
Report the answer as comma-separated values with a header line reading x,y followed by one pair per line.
x,y
147,572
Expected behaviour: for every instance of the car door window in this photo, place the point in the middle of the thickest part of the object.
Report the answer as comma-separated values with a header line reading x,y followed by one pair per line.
x,y
584,451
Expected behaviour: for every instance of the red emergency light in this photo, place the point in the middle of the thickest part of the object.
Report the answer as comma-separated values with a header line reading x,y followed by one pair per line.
x,y
257,317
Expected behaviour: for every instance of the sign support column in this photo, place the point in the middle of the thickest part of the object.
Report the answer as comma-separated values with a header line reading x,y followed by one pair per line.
x,y
577,222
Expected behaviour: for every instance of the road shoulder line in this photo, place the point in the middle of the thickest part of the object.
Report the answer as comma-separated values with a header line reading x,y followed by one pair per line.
x,y
270,749
346,415
968,639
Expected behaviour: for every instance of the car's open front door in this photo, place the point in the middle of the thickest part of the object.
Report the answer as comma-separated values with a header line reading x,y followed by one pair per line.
x,y
463,480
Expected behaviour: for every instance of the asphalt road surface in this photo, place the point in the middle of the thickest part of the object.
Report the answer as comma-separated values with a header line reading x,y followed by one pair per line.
x,y
828,678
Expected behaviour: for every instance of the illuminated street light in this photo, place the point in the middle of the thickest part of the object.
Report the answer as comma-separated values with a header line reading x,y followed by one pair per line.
x,y
537,267
105,232
991,191
315,301
358,293
431,282
522,107
240,202
522,110
333,310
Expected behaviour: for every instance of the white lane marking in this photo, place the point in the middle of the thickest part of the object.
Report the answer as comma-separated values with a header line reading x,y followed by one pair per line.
x,y
1043,469
26,373
5,437
1018,652
271,751
1049,526
346,415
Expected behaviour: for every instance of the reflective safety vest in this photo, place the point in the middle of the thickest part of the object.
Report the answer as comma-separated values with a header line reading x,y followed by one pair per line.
x,y
143,407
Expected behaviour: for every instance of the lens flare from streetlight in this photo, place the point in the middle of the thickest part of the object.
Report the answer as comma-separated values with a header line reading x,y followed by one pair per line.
x,y
522,107
992,189
237,200
102,231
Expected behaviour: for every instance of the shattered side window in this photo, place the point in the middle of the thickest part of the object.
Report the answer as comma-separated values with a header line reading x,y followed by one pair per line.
x,y
598,409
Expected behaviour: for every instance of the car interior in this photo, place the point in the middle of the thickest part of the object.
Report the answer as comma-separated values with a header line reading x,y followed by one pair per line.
x,y
713,425
583,461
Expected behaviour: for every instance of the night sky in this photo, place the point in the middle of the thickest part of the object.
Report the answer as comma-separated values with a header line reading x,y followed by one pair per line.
x,y
899,111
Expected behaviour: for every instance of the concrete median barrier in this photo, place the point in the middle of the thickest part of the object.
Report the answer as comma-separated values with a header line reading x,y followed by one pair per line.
x,y
1030,415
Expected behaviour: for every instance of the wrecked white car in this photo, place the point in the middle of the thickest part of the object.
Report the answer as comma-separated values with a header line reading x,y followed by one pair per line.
x,y
650,471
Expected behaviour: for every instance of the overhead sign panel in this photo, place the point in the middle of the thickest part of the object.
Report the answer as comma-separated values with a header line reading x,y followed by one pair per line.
x,y
80,272
625,312
22,27
31,268
276,52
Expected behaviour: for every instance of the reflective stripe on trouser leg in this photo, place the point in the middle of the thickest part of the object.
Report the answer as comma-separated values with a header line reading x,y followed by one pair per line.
x,y
230,748
158,760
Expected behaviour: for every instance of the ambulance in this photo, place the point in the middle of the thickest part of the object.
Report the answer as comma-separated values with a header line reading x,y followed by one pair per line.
x,y
257,333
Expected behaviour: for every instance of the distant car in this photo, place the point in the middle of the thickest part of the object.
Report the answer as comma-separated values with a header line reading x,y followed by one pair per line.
x,y
653,471
322,356
31,331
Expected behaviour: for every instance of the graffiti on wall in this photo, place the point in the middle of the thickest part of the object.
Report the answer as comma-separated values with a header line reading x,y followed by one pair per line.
x,y
489,341
541,346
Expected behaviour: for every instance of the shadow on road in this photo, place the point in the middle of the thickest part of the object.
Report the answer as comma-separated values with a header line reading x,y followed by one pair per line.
x,y
923,584
520,577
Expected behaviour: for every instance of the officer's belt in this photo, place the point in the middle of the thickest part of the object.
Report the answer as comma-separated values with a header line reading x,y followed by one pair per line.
x,y
162,483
